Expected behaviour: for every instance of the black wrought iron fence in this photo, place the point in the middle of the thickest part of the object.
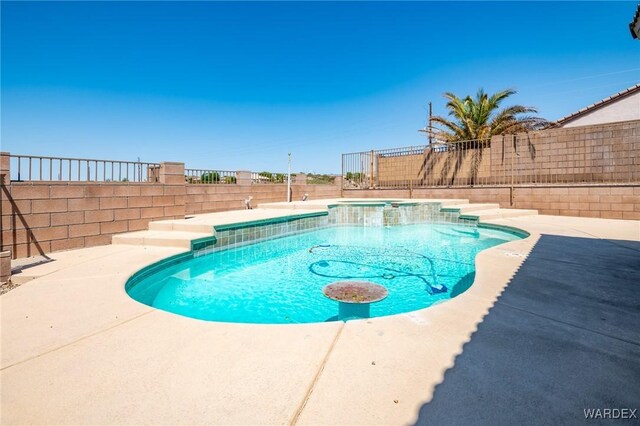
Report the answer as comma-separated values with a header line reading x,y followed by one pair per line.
x,y
40,168
268,177
204,176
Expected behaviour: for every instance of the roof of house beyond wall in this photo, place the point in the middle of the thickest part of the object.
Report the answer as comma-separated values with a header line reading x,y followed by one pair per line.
x,y
597,105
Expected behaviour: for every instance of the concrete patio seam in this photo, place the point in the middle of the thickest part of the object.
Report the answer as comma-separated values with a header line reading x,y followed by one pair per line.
x,y
80,339
316,378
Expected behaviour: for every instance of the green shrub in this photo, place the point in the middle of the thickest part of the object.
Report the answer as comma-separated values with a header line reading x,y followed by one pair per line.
x,y
212,177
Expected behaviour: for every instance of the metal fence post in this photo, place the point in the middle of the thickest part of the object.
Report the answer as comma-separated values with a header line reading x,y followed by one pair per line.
x,y
371,171
343,178
513,154
6,234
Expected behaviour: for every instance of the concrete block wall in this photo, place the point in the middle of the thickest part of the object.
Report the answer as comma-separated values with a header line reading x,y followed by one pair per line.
x,y
213,198
474,195
461,167
316,191
383,194
586,154
595,153
608,202
558,171
42,217
500,195
39,217
601,201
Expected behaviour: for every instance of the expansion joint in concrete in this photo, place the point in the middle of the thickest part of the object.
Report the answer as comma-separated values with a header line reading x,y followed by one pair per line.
x,y
57,348
307,395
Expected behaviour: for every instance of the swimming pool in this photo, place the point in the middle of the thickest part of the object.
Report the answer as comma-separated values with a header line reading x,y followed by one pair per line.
x,y
280,281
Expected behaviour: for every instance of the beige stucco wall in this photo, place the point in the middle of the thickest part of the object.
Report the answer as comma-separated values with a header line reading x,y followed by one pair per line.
x,y
625,109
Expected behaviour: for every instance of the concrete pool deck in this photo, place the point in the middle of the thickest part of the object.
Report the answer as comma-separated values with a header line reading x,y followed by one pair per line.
x,y
77,350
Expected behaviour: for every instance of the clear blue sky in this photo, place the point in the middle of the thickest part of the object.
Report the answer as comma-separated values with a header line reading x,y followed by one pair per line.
x,y
238,85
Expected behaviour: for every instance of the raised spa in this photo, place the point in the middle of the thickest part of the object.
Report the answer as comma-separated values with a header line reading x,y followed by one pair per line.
x,y
260,276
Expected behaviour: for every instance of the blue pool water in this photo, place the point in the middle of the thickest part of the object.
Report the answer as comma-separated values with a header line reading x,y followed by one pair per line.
x,y
280,281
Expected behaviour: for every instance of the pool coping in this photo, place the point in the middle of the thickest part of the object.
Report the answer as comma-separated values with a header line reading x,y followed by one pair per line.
x,y
269,221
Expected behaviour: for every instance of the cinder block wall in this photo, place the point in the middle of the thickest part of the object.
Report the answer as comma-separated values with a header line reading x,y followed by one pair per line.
x,y
610,201
596,153
213,198
432,166
41,217
315,192
386,194
221,197
530,162
474,195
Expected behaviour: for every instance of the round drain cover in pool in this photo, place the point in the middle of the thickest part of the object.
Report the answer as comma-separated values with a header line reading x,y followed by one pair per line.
x,y
355,292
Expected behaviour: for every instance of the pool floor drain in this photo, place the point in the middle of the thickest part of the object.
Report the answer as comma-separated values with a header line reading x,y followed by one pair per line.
x,y
354,297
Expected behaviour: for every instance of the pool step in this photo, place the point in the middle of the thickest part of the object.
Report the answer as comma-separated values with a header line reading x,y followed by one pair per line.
x,y
179,239
488,214
206,222
183,225
474,207
448,202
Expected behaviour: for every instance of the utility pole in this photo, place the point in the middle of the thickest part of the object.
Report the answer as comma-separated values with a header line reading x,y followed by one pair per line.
x,y
289,180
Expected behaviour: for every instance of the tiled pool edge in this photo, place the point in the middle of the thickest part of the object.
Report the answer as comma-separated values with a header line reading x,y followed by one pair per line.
x,y
242,233
505,228
237,234
395,213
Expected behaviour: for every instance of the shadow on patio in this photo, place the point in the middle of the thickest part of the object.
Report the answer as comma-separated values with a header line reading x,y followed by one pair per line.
x,y
564,336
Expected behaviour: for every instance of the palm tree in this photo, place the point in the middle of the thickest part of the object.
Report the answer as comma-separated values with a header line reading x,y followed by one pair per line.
x,y
480,118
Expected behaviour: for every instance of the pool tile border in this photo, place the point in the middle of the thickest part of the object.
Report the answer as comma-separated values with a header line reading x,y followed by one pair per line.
x,y
239,234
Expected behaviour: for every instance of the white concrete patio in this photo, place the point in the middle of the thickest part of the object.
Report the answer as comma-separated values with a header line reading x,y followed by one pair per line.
x,y
77,350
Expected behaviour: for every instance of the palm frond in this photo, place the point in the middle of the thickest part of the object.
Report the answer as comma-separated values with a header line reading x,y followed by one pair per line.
x,y
479,117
